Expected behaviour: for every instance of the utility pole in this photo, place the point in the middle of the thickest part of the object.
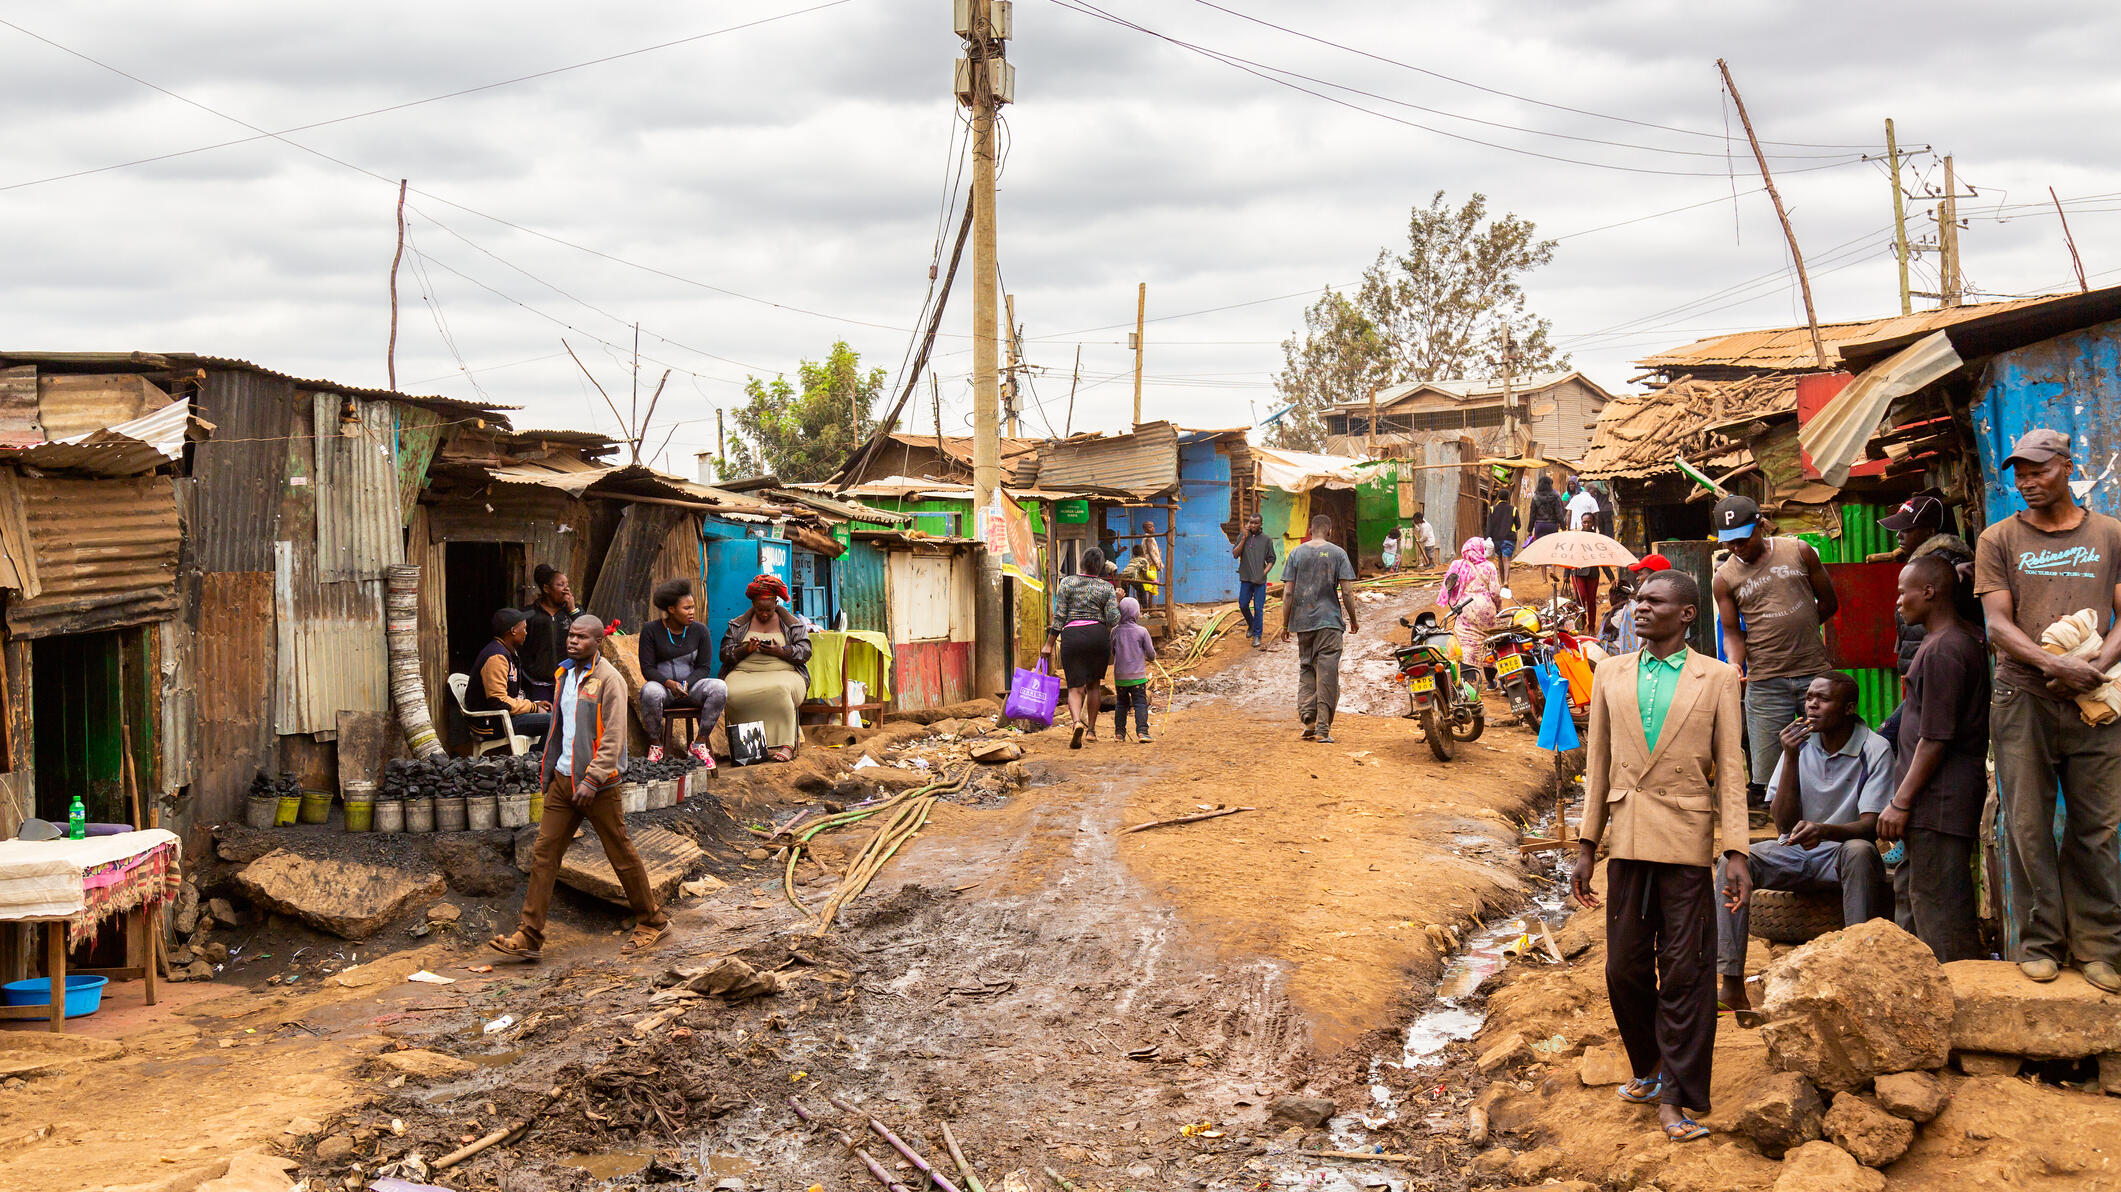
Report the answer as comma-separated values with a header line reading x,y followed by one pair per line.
x,y
721,444
391,356
1012,405
935,391
1804,283
1948,238
2078,262
1509,400
1892,153
985,80
1141,323
1369,450
1068,425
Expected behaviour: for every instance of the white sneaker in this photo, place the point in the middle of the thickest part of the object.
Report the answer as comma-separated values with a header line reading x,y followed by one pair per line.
x,y
655,753
700,754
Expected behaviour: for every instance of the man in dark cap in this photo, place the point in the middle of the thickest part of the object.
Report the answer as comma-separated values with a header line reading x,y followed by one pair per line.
x,y
1773,596
1919,525
2031,569
498,684
584,755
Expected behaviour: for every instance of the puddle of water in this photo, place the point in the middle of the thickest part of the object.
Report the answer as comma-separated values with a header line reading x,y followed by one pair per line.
x,y
609,1165
498,1059
722,1166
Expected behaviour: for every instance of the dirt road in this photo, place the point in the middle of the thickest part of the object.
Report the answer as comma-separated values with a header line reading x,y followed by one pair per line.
x,y
1064,995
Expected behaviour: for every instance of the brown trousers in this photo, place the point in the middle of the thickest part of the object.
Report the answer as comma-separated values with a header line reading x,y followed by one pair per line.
x,y
556,831
1660,972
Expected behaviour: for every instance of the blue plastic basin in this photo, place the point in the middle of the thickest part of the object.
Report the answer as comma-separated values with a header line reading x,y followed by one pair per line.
x,y
84,995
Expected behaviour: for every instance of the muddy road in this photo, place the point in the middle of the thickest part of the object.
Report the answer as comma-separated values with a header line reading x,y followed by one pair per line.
x,y
1123,1008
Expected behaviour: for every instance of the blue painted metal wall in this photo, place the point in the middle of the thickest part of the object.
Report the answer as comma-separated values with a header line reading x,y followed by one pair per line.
x,y
1203,571
2071,383
732,563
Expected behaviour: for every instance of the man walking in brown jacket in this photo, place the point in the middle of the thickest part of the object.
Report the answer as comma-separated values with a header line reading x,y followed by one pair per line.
x,y
1665,777
584,753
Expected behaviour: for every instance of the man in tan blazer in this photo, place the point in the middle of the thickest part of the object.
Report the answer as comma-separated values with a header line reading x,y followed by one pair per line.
x,y
1665,777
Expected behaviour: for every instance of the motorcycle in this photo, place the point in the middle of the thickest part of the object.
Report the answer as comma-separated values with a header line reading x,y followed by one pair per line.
x,y
1514,649
1438,693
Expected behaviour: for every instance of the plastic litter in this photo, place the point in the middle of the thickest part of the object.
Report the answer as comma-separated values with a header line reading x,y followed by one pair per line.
x,y
426,978
499,1024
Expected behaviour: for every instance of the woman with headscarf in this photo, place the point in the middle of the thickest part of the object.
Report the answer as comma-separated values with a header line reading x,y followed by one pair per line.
x,y
1473,578
765,663
1085,608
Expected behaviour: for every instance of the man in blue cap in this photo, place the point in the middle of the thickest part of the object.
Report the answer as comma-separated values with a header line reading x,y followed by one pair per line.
x,y
1772,595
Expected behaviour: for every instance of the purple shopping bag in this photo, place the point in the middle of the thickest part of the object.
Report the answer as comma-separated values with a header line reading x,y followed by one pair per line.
x,y
1033,695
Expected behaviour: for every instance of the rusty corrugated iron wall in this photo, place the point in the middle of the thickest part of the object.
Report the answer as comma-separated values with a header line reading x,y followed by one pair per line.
x,y
419,435
105,551
234,666
332,652
628,571
238,472
360,523
1143,463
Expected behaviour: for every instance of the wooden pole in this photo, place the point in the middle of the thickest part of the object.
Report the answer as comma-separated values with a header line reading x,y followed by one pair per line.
x,y
1068,425
1370,440
2082,286
721,445
391,355
1948,238
1015,366
1141,324
1804,283
1892,156
935,390
653,398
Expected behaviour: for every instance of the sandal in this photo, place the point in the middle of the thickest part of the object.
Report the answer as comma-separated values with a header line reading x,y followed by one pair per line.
x,y
782,753
645,936
1076,741
1642,1090
515,947
1686,1129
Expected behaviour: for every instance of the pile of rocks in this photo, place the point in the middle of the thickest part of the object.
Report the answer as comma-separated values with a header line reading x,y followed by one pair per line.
x,y
1860,1022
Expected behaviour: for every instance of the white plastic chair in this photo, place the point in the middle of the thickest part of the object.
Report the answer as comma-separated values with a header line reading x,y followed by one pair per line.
x,y
459,683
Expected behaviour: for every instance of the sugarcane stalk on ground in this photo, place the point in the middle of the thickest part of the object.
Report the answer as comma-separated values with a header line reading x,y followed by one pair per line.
x,y
876,1170
897,1144
963,1168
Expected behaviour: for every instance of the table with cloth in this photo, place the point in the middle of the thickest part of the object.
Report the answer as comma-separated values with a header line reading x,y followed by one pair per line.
x,y
840,656
74,887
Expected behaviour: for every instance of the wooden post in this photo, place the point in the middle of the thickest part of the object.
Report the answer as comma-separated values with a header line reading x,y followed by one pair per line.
x,y
1068,425
1141,323
2074,259
1016,397
1892,156
55,974
1804,283
1948,238
390,360
721,445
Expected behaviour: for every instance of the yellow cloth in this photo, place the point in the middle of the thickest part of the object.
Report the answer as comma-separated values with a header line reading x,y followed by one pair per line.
x,y
833,662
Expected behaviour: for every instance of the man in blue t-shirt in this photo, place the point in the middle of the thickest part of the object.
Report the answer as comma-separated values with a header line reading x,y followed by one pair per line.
x,y
1318,583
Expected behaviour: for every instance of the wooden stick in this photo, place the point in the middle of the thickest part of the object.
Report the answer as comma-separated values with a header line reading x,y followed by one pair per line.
x,y
1058,1178
963,1168
1185,819
506,1133
1378,1157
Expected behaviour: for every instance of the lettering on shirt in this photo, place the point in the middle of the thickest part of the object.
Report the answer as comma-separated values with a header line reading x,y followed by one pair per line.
x,y
1779,571
2074,563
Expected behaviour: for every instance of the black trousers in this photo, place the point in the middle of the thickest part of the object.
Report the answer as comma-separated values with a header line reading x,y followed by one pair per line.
x,y
1660,972
1937,882
1135,696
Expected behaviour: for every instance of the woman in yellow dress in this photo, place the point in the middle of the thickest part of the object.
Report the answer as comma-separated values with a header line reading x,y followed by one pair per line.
x,y
765,663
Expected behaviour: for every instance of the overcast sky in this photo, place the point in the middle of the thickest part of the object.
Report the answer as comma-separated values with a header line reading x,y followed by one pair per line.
x,y
751,196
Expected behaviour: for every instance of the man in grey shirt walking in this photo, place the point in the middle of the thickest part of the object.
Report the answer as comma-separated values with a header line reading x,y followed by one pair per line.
x,y
1318,583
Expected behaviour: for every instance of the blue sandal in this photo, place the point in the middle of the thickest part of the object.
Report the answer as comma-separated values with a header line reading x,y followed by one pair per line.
x,y
1642,1091
1686,1129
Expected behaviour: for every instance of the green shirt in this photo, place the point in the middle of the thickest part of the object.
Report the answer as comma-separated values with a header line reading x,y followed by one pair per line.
x,y
1655,681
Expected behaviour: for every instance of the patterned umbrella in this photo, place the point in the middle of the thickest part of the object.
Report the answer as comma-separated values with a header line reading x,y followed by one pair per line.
x,y
1574,548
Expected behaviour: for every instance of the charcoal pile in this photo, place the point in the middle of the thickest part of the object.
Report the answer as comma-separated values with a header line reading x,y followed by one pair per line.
x,y
458,777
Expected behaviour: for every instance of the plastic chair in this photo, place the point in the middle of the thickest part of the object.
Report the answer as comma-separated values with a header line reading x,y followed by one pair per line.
x,y
459,683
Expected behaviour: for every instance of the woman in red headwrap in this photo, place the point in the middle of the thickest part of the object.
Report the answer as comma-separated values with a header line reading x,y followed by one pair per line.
x,y
765,656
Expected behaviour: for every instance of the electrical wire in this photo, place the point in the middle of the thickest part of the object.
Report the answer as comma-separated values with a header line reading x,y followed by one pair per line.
x,y
1272,74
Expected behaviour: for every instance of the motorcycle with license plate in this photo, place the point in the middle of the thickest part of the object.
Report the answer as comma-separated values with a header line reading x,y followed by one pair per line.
x,y
1439,694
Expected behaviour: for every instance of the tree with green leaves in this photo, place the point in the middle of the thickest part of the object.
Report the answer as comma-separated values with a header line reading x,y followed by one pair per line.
x,y
1440,310
805,431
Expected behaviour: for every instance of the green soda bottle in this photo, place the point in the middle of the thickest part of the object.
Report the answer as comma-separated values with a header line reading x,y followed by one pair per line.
x,y
76,820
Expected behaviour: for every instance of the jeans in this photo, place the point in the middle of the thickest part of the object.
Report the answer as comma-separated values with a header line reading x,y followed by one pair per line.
x,y
1136,696
1849,866
1770,705
708,695
2065,899
1252,603
1317,675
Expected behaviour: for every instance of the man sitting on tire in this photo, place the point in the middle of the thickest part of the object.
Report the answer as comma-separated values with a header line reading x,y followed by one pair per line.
x,y
1834,777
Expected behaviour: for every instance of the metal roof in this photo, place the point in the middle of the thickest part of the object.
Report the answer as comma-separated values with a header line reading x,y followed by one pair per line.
x,y
1642,434
1143,463
1791,347
159,361
132,448
1470,389
2001,326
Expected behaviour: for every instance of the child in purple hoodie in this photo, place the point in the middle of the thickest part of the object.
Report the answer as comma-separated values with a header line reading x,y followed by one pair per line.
x,y
1131,652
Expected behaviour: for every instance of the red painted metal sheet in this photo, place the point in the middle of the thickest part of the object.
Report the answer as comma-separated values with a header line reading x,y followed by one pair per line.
x,y
1813,393
917,675
954,661
1863,636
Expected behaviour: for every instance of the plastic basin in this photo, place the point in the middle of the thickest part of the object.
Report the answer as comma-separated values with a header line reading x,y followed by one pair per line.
x,y
84,995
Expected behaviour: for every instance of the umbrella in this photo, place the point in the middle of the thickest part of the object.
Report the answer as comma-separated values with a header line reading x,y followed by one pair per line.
x,y
1574,548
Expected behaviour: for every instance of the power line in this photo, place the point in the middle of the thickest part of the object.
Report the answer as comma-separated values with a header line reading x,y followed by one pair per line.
x,y
1496,91
396,107
1271,74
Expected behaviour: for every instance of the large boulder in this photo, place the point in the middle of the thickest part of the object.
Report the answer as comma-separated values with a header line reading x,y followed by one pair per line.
x,y
1783,1115
666,854
1873,1136
1824,1167
481,864
350,899
1856,1004
1916,1096
2000,1012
